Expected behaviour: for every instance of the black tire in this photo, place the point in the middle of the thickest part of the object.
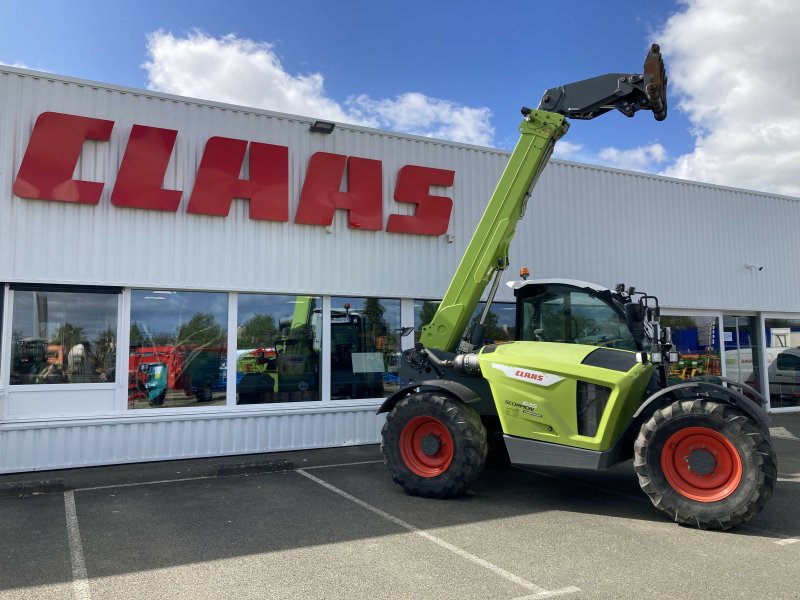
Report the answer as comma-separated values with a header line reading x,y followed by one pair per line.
x,y
402,445
159,400
739,455
205,394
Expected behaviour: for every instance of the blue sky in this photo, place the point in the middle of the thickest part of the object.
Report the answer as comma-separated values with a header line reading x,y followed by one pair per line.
x,y
456,70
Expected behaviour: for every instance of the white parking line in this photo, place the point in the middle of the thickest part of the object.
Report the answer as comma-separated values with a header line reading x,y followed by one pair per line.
x,y
80,580
538,592
787,541
782,433
789,477
202,477
363,462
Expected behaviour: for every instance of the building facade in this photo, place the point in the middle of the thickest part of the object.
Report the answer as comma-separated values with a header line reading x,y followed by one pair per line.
x,y
183,278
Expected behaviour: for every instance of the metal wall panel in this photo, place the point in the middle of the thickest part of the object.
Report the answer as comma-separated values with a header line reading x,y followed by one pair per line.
x,y
53,446
62,242
687,243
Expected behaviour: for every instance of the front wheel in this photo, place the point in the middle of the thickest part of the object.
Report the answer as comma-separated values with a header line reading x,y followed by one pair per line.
x,y
435,446
705,464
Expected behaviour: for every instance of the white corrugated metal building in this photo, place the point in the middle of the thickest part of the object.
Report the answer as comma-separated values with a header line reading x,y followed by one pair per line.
x,y
85,279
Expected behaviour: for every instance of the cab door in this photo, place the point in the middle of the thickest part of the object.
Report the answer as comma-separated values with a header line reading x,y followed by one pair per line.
x,y
558,312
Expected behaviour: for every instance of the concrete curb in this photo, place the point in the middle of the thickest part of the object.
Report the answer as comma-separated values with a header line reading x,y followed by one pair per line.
x,y
28,488
260,466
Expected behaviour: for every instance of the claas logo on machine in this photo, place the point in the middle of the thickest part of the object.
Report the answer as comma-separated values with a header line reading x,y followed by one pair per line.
x,y
529,376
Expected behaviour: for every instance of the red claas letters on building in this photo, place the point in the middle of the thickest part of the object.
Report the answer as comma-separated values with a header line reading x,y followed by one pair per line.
x,y
56,143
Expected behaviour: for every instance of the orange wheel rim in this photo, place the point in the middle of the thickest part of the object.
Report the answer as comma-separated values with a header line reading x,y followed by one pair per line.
x,y
701,464
426,446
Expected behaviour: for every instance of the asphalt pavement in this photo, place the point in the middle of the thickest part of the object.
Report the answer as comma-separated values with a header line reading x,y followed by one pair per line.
x,y
331,524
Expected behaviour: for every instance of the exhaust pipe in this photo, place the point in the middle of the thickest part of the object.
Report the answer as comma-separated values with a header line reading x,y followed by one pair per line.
x,y
462,363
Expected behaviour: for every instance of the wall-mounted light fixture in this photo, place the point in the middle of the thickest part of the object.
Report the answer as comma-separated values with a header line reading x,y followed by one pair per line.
x,y
750,267
322,127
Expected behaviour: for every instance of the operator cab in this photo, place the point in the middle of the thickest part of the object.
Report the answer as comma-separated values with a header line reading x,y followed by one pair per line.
x,y
571,311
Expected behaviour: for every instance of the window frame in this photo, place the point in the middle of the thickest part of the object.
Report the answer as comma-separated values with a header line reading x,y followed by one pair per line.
x,y
230,337
104,290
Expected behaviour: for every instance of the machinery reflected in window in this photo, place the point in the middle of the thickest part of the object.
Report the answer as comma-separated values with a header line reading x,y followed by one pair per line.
x,y
783,362
696,339
178,349
365,347
278,346
63,337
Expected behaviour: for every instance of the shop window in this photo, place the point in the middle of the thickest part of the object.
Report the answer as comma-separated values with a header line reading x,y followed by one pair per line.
x,y
498,328
178,349
365,347
63,336
697,341
424,311
783,362
500,322
278,346
2,303
742,349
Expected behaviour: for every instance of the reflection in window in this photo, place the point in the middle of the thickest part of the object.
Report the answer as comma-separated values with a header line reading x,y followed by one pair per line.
x,y
424,311
783,362
63,337
499,324
2,298
279,340
742,352
178,349
498,328
696,340
365,347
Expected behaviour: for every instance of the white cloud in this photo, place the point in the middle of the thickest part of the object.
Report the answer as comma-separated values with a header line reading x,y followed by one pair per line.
x,y
648,158
735,68
642,158
568,150
418,114
241,71
18,65
234,70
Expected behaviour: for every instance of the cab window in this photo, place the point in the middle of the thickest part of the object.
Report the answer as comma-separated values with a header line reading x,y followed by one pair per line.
x,y
574,317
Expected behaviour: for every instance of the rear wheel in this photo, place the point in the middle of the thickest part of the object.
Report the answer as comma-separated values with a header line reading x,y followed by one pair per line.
x,y
434,445
705,464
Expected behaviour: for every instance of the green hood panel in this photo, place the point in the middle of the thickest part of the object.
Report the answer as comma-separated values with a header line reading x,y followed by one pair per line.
x,y
535,388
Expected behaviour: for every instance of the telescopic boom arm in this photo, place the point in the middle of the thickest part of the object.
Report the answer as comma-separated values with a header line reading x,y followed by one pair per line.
x,y
486,255
591,98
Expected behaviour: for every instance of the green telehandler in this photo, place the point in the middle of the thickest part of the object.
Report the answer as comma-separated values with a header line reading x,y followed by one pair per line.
x,y
585,383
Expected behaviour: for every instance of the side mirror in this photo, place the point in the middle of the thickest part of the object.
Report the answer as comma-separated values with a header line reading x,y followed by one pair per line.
x,y
634,317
